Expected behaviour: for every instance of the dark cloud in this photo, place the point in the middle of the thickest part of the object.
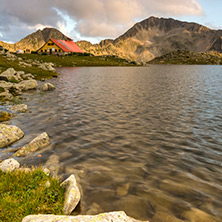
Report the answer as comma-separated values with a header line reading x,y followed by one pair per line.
x,y
90,18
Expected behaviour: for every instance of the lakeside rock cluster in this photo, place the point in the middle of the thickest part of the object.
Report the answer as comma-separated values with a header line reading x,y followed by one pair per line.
x,y
27,63
14,83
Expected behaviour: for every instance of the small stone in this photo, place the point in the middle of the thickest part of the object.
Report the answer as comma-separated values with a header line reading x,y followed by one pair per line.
x,y
72,194
20,108
39,142
47,184
46,171
9,134
27,76
9,165
47,87
5,116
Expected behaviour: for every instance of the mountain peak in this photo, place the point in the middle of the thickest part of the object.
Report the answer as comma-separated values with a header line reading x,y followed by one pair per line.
x,y
161,24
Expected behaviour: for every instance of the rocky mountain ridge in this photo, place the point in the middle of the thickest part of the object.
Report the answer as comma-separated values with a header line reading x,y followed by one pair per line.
x,y
146,40
154,37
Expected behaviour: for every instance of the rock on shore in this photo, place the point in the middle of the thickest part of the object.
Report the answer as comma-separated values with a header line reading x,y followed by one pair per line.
x,y
47,87
118,216
10,75
19,108
13,83
9,165
5,116
72,194
9,134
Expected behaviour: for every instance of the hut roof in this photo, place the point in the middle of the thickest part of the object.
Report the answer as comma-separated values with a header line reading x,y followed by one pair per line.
x,y
67,45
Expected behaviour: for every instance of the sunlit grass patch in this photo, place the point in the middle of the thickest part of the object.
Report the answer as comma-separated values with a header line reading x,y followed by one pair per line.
x,y
23,193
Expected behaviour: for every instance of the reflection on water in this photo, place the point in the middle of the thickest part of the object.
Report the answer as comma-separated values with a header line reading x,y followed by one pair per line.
x,y
144,140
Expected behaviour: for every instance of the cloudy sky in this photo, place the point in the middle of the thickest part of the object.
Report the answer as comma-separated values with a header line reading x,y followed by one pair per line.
x,y
94,20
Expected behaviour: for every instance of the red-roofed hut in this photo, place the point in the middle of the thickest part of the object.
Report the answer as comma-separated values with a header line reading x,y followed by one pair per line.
x,y
55,46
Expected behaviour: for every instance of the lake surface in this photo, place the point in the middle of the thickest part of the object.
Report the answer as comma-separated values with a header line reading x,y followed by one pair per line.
x,y
146,140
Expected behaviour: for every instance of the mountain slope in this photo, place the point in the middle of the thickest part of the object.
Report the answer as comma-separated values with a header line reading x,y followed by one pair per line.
x,y
35,40
154,37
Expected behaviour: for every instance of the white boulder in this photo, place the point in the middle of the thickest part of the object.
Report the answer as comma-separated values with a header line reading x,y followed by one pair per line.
x,y
72,195
9,165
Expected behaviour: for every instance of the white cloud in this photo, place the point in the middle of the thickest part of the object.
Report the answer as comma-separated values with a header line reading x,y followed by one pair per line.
x,y
87,18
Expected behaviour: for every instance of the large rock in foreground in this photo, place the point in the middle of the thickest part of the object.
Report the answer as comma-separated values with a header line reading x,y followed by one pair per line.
x,y
9,165
118,216
72,194
39,142
9,135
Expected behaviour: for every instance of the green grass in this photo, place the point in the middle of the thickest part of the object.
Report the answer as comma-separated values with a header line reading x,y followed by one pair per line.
x,y
78,60
37,72
24,193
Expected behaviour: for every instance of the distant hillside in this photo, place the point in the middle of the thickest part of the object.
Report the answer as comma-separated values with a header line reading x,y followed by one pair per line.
x,y
155,37
35,40
186,57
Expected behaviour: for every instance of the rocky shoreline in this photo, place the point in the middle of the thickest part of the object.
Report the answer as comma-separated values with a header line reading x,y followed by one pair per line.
x,y
12,85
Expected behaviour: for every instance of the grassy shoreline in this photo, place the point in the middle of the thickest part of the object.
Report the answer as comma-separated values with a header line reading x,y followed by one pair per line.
x,y
58,61
78,60
33,192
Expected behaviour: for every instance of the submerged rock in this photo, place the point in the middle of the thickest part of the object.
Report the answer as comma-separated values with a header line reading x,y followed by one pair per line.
x,y
47,87
5,116
72,194
9,165
118,216
9,134
39,142
52,164
196,215
123,190
165,217
20,108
